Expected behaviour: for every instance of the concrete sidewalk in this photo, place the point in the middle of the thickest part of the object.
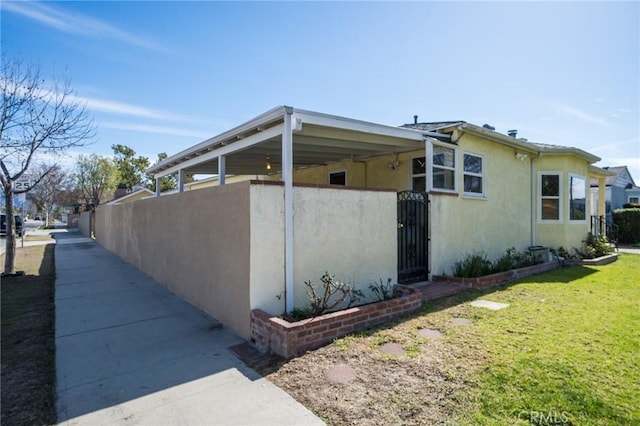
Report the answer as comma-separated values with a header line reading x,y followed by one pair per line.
x,y
129,351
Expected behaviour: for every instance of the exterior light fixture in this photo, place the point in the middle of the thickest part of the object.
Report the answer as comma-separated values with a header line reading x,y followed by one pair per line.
x,y
521,156
268,165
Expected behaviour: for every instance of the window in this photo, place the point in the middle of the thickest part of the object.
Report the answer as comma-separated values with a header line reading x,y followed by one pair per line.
x,y
550,188
419,174
473,174
577,198
338,178
444,164
634,200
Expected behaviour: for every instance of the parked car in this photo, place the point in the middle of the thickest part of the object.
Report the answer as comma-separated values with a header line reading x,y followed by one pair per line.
x,y
3,225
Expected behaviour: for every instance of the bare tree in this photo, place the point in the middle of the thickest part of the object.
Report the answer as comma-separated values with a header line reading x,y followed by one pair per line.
x,y
95,177
35,118
48,192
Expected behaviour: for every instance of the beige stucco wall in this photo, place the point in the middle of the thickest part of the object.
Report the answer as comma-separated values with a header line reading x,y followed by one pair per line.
x,y
209,182
567,233
501,219
197,243
267,248
350,233
84,223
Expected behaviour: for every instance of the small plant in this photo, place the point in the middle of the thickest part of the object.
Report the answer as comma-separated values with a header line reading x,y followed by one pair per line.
x,y
332,294
507,261
297,314
595,246
473,265
383,291
564,253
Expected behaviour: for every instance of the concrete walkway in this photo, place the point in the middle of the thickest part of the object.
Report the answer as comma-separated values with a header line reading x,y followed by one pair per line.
x,y
128,351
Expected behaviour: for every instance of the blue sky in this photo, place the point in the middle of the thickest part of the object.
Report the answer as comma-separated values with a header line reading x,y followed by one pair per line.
x,y
162,76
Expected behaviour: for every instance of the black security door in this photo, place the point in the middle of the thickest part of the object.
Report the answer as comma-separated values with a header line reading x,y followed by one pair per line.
x,y
413,236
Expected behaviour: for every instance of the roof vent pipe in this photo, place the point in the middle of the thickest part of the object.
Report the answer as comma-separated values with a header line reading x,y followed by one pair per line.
x,y
488,126
512,133
415,119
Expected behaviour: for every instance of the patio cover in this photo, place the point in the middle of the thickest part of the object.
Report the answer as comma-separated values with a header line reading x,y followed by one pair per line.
x,y
288,139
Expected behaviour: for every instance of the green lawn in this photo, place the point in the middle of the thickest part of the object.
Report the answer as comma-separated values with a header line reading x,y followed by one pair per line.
x,y
567,350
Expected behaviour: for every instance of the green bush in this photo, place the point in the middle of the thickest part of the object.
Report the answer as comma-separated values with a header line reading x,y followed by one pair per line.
x,y
628,221
473,265
476,264
593,247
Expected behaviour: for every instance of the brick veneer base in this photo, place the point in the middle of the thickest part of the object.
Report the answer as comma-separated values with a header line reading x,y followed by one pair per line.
x,y
493,280
288,339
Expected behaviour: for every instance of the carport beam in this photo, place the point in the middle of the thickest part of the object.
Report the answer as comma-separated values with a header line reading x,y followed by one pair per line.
x,y
287,177
181,180
222,169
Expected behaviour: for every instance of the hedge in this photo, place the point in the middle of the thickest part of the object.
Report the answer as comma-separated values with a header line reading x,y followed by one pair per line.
x,y
628,221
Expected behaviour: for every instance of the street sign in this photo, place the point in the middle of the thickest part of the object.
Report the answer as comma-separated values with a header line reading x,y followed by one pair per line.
x,y
23,183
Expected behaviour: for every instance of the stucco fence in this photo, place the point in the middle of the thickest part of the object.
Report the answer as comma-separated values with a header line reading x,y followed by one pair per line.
x,y
222,248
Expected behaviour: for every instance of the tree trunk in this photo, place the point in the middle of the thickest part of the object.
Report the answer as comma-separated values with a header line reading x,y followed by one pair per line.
x,y
10,254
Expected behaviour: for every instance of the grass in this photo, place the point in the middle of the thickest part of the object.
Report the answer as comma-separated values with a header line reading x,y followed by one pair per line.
x,y
28,339
565,351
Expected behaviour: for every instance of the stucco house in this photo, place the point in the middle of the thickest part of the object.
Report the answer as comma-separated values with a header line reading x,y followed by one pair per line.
x,y
364,201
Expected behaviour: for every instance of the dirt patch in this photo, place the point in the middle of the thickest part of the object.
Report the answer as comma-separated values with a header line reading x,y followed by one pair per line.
x,y
28,339
421,386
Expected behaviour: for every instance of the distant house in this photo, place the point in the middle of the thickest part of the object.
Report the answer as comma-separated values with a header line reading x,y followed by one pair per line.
x,y
620,189
362,200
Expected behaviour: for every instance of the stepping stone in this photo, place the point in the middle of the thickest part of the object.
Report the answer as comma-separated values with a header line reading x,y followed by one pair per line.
x,y
341,373
461,321
494,306
430,333
392,349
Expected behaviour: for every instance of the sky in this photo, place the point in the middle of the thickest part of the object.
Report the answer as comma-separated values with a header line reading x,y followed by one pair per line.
x,y
162,76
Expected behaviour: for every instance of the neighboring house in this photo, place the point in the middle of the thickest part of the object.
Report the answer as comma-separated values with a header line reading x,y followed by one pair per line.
x,y
137,193
362,200
620,189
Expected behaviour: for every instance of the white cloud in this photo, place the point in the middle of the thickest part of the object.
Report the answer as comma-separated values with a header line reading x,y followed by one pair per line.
x,y
77,24
580,114
115,107
163,130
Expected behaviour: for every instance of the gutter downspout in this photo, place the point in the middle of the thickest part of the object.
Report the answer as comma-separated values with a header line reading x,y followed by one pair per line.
x,y
533,202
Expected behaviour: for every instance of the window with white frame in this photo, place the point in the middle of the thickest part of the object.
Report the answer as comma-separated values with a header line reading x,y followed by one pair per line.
x,y
550,185
419,174
577,198
444,168
634,200
473,172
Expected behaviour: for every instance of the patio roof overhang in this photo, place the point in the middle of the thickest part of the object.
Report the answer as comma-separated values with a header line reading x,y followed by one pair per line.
x,y
317,139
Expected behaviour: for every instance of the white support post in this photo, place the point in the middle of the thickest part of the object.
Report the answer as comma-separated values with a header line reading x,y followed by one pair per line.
x,y
158,189
181,180
222,169
287,177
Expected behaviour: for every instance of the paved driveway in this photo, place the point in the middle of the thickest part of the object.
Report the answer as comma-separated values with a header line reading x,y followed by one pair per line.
x,y
128,351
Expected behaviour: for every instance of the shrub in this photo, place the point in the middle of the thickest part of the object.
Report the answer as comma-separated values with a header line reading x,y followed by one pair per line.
x,y
477,264
332,294
594,246
628,221
383,291
473,265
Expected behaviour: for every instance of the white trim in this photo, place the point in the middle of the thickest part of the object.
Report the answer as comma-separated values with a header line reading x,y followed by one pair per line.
x,y
335,172
454,148
586,211
482,175
560,197
411,175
